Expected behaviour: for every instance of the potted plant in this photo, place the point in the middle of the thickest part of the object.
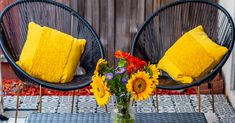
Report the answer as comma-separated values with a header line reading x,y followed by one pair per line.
x,y
132,79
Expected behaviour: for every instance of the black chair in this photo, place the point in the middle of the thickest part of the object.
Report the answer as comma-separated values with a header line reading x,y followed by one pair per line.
x,y
14,21
166,25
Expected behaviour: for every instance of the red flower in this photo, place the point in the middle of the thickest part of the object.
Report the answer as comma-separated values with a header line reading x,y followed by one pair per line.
x,y
130,68
122,55
138,63
133,63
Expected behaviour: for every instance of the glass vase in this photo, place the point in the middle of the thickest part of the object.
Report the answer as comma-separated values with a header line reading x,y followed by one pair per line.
x,y
123,111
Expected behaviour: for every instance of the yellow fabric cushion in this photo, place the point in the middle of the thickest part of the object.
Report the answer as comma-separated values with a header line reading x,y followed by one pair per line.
x,y
50,55
192,56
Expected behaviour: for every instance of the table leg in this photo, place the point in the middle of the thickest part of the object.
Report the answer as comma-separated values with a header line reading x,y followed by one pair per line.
x,y
157,109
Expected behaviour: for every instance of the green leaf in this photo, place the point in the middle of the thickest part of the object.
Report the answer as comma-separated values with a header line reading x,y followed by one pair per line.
x,y
149,71
122,63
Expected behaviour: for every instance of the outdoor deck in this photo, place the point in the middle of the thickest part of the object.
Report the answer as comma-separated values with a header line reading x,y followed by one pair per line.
x,y
167,103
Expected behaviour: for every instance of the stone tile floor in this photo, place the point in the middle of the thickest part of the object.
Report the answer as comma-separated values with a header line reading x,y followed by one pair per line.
x,y
167,103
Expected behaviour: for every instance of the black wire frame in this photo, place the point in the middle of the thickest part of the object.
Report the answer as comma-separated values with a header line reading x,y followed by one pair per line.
x,y
216,69
26,75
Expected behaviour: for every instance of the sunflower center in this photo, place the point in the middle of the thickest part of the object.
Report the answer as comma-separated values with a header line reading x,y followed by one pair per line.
x,y
101,92
139,85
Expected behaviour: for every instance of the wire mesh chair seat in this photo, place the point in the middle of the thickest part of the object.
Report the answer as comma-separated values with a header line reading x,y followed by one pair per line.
x,y
160,31
14,22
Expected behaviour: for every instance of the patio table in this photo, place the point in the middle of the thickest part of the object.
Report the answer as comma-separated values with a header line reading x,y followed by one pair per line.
x,y
194,117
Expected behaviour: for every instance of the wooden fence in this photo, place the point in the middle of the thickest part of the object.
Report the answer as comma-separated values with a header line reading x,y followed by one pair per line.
x,y
115,21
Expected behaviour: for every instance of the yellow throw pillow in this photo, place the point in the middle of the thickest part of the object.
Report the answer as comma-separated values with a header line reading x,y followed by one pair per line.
x,y
50,55
192,56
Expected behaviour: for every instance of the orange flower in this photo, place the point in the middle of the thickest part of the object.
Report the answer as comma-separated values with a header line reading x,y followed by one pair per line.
x,y
122,55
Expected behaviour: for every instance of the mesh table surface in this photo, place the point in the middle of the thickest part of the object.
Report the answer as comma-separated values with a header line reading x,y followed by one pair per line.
x,y
106,118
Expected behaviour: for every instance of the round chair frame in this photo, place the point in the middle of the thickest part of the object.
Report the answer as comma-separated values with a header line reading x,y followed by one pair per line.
x,y
55,15
210,75
24,75
147,29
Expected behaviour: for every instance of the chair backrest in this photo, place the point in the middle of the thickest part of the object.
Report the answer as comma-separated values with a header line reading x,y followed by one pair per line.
x,y
14,25
13,32
165,26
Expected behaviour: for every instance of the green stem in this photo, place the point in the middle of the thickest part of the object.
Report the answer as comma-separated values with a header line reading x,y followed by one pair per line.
x,y
123,105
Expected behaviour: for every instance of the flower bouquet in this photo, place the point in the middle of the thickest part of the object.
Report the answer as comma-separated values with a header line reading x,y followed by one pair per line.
x,y
132,79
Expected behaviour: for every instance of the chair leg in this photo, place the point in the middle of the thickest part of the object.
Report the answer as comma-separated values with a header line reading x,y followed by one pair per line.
x,y
132,101
210,86
157,109
213,102
72,101
199,99
17,101
40,99
105,108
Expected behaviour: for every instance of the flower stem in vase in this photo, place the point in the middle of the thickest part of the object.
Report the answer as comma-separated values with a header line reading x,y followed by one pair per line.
x,y
122,110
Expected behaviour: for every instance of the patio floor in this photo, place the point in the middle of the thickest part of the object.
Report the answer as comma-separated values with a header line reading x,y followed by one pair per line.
x,y
167,103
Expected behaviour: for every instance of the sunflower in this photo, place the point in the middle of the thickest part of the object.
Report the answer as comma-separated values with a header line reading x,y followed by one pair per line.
x,y
100,90
140,85
98,65
155,74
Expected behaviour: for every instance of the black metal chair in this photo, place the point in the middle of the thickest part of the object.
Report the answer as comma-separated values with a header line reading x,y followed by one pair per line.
x,y
14,21
170,22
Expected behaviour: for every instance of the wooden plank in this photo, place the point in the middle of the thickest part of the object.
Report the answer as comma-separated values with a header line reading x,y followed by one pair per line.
x,y
111,32
165,2
66,2
157,40
133,20
74,4
123,35
140,16
88,11
148,8
81,7
103,31
122,25
156,5
96,15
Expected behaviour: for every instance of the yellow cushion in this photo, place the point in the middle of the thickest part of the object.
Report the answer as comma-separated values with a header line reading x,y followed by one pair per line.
x,y
192,56
50,55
